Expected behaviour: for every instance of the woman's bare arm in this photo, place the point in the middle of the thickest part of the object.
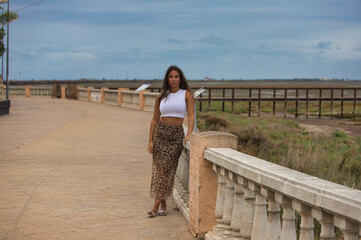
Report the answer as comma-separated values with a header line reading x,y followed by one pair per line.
x,y
190,113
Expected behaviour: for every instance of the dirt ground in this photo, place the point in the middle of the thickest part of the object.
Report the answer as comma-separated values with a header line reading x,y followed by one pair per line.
x,y
351,128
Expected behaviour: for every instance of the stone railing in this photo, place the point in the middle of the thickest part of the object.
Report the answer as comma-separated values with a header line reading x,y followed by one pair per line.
x,y
181,184
251,192
95,95
149,99
111,97
122,97
230,195
82,94
17,91
131,99
40,91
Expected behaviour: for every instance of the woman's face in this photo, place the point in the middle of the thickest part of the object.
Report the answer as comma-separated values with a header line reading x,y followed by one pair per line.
x,y
173,79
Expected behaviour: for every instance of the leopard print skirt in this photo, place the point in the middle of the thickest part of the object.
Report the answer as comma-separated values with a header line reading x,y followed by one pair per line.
x,y
167,148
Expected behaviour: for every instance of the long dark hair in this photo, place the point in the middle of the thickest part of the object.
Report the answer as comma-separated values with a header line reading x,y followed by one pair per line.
x,y
182,84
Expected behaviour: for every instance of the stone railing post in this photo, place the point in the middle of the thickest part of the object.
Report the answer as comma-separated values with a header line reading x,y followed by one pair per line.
x,y
228,207
89,93
77,93
27,91
203,180
306,226
63,92
120,97
260,214
288,231
102,94
141,100
349,229
248,210
273,229
221,195
238,201
326,221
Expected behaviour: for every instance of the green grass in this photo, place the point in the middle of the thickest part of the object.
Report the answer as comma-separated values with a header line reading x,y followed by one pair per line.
x,y
335,157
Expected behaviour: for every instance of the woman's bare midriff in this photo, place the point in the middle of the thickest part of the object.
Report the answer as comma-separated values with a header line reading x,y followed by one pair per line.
x,y
172,120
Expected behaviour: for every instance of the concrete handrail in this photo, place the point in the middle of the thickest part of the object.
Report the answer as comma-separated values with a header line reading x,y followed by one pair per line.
x,y
246,184
95,95
130,99
17,91
41,91
82,94
111,96
149,99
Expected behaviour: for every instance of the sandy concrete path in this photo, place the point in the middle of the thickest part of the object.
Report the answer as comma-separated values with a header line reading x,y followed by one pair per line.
x,y
78,170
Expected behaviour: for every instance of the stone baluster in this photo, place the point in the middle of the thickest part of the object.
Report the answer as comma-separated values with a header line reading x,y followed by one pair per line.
x,y
260,214
349,229
288,231
248,210
326,221
238,202
306,226
220,227
273,229
228,207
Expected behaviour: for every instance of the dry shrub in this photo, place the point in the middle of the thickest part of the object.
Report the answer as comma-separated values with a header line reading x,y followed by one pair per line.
x,y
214,123
252,141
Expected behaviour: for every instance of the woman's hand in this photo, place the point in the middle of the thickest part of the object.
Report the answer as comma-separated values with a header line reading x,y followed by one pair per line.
x,y
150,148
186,138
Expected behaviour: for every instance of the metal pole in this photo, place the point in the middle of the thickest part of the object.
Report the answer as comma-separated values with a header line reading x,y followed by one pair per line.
x,y
2,59
7,56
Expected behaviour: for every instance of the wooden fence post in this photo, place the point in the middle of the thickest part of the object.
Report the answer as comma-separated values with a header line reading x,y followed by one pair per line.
x,y
285,104
354,104
209,98
307,103
274,101
250,103
232,100
259,102
296,113
331,103
342,102
320,104
223,95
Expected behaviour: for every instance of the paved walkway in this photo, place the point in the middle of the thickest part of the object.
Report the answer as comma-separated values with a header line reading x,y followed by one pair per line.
x,y
77,170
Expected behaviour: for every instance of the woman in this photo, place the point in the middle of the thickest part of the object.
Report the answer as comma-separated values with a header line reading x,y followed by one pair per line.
x,y
166,135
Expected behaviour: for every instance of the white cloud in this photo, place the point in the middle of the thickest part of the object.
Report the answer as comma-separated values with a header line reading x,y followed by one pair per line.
x,y
70,55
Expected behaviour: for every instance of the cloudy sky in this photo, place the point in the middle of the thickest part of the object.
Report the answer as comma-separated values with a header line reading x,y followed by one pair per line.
x,y
230,39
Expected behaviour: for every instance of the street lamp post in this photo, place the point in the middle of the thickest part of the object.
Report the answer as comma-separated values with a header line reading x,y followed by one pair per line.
x,y
2,57
7,55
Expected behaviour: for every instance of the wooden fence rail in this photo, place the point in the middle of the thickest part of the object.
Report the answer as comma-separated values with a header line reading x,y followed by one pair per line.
x,y
281,94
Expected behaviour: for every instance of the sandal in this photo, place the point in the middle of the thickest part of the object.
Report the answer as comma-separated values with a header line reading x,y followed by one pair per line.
x,y
162,212
151,213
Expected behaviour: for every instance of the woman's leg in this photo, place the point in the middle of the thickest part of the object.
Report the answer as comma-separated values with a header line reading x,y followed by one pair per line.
x,y
163,204
157,202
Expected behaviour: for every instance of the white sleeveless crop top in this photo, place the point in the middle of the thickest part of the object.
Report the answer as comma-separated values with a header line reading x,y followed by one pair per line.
x,y
174,105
